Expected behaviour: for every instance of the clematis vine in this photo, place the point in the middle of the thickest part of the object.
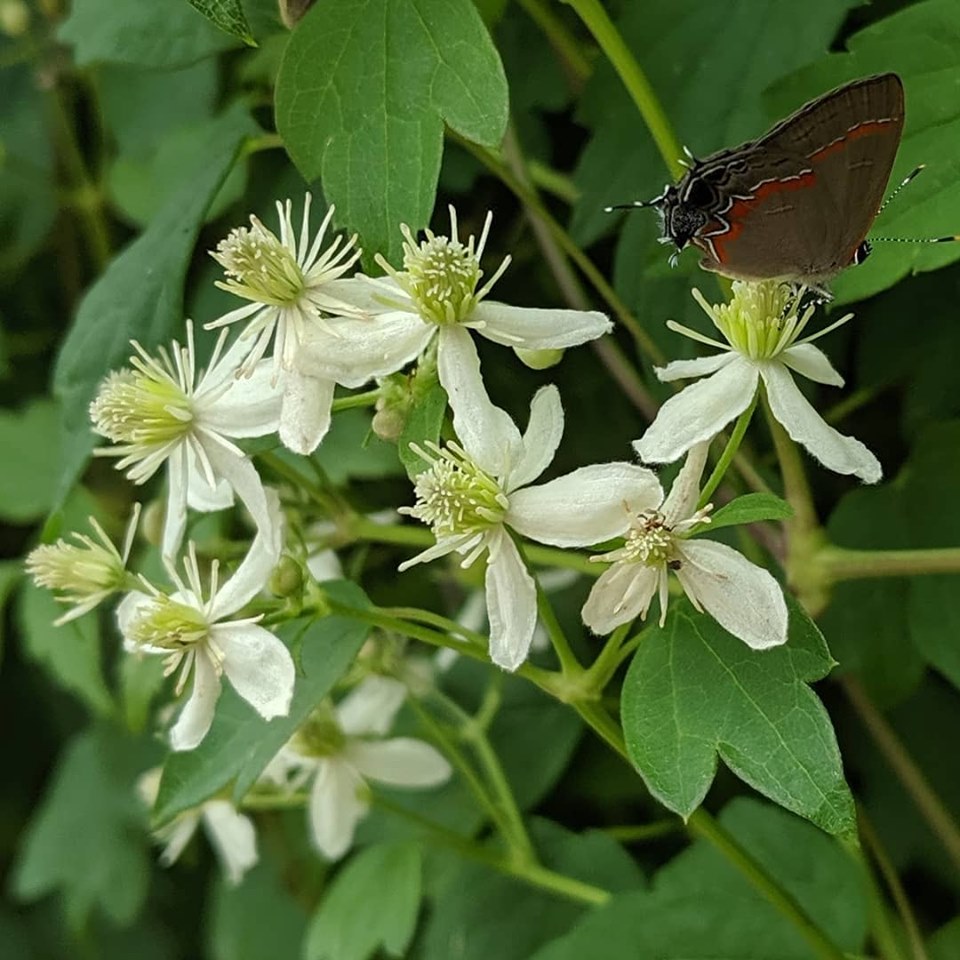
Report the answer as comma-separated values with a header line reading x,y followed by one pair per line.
x,y
164,410
761,326
474,493
742,597
339,748
231,833
292,287
190,629
438,296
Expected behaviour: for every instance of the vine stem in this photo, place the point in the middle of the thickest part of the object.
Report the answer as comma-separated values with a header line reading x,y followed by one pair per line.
x,y
729,452
925,798
839,563
598,22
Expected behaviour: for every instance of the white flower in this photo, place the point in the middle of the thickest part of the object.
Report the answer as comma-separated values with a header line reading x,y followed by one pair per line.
x,y
438,294
230,832
340,749
761,325
194,636
293,287
742,597
86,574
473,494
165,411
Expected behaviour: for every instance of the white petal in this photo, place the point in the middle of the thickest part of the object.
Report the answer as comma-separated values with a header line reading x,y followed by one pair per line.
x,y
360,292
587,506
541,439
621,593
197,715
682,500
325,565
128,609
742,597
699,412
534,329
836,452
511,604
250,407
811,362
177,836
485,431
337,804
262,504
359,350
370,707
258,666
401,762
305,412
175,517
233,837
698,367
200,495
255,569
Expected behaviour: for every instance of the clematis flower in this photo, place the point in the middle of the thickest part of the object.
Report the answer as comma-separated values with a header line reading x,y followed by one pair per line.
x,y
84,573
190,629
473,496
291,287
340,748
761,326
230,832
742,597
439,295
165,411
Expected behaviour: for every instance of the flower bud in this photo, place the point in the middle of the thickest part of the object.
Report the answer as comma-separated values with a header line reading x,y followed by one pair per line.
x,y
393,406
287,578
538,359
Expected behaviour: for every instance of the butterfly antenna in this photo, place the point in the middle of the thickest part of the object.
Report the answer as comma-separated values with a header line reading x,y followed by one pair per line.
x,y
953,238
635,205
913,173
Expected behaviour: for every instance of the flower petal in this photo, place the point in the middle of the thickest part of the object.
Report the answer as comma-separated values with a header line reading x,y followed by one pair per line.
x,y
621,593
337,804
541,439
200,495
305,412
511,604
742,597
486,432
233,837
535,329
586,506
197,715
682,500
250,406
698,367
699,412
836,452
370,707
255,569
175,517
177,835
258,666
357,350
400,762
811,362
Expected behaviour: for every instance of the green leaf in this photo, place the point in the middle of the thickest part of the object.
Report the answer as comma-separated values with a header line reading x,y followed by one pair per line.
x,y
28,481
750,508
228,16
87,839
352,451
945,943
916,42
694,692
374,900
423,424
257,920
362,95
161,34
480,914
70,653
141,679
241,743
141,292
700,906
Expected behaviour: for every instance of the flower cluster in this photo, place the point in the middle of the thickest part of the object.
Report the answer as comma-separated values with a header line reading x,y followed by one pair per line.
x,y
308,326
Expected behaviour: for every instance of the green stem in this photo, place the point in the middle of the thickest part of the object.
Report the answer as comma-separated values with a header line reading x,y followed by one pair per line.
x,y
569,664
531,873
729,451
293,476
608,660
911,777
366,399
561,39
592,13
640,833
795,486
838,563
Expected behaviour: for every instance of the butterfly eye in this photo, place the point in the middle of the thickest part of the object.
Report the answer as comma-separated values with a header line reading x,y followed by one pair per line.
x,y
699,193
